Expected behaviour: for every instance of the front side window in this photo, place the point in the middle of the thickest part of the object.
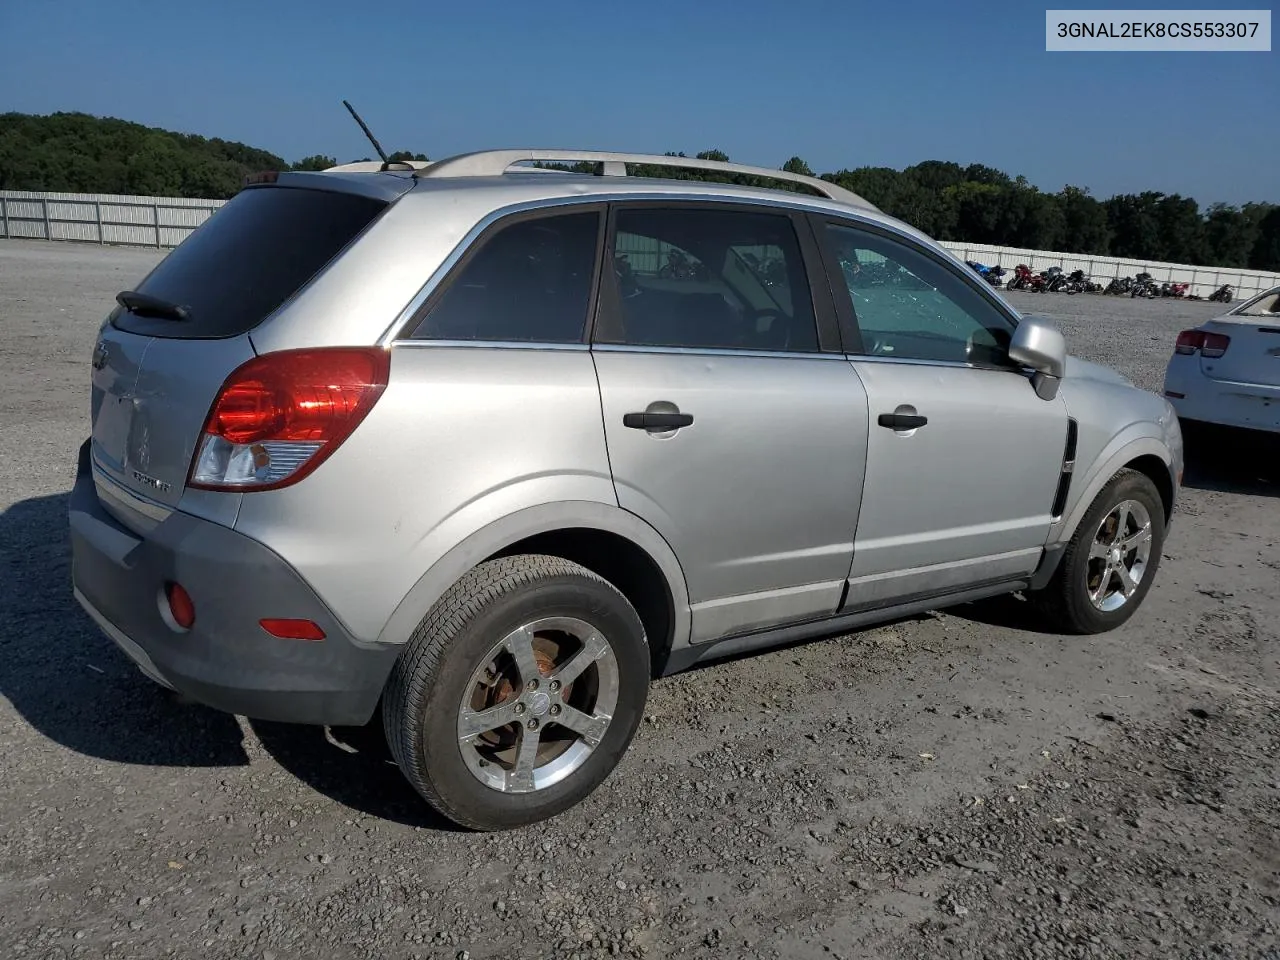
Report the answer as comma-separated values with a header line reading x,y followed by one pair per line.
x,y
709,279
909,306
530,281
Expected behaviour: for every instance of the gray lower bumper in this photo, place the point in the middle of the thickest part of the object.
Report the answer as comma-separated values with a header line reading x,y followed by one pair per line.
x,y
226,660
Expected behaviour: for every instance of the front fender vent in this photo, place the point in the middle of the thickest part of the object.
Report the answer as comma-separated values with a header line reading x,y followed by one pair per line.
x,y
1068,468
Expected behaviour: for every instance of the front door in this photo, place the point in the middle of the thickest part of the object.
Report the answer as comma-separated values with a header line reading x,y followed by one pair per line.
x,y
963,459
734,425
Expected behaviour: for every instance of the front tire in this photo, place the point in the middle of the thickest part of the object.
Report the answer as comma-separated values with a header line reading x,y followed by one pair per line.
x,y
1111,561
519,692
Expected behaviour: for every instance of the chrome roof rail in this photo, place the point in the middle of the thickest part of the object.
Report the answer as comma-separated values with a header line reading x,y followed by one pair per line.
x,y
495,163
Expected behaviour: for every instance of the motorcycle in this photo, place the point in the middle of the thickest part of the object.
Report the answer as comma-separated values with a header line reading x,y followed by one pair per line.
x,y
1055,281
992,275
1077,282
1119,286
1222,295
1144,285
1025,279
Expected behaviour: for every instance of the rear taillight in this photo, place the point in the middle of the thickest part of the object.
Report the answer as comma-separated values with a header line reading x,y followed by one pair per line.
x,y
1211,345
278,416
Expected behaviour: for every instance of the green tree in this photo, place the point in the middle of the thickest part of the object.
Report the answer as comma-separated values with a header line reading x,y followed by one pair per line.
x,y
316,162
1266,249
1229,237
797,166
403,155
1085,228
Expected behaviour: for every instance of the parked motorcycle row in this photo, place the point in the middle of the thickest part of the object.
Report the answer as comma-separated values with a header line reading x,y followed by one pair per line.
x,y
1056,280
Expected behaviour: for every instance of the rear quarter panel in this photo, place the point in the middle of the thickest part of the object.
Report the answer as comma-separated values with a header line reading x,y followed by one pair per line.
x,y
462,437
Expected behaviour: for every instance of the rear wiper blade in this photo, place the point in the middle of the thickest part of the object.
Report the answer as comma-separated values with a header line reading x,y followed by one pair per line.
x,y
145,305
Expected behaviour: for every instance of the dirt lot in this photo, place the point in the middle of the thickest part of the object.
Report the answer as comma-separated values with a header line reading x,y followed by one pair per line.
x,y
953,786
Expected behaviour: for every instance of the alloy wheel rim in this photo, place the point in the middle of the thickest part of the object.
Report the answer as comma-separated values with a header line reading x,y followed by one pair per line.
x,y
538,705
1118,556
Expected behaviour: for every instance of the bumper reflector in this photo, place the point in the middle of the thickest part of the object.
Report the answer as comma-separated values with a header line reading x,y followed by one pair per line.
x,y
292,629
181,608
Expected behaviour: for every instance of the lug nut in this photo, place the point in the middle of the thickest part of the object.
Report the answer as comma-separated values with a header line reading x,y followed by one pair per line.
x,y
532,684
555,710
533,723
555,685
519,708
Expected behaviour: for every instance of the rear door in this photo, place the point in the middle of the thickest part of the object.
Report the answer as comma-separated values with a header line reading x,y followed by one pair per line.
x,y
734,425
163,354
963,458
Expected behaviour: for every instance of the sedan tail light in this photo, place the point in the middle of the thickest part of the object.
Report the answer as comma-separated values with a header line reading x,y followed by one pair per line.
x,y
280,415
1210,345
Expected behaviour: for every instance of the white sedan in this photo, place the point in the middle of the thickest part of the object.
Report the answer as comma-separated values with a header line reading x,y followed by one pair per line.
x,y
1227,370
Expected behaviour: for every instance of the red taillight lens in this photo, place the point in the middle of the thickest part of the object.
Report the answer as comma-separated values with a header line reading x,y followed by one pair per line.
x,y
181,607
1211,345
1189,342
1215,345
292,629
280,415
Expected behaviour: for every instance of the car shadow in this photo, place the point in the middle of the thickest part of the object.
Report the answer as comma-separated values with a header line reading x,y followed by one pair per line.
x,y
71,683
352,766
1227,460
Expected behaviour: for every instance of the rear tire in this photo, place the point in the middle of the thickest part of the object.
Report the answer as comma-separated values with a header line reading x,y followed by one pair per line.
x,y
1088,592
490,652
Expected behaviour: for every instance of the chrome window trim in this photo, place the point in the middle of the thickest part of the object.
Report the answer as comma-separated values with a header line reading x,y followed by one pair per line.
x,y
394,332
492,344
714,352
911,361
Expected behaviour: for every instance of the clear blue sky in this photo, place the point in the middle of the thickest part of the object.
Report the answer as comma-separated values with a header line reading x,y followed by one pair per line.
x,y
842,84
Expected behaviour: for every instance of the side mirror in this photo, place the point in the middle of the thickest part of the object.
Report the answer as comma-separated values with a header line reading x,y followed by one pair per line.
x,y
1039,345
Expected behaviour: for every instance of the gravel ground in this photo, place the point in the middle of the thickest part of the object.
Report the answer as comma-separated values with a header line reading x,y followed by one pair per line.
x,y
950,786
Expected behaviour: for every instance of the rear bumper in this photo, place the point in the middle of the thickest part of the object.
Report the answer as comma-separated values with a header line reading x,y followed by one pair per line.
x,y
1251,406
226,660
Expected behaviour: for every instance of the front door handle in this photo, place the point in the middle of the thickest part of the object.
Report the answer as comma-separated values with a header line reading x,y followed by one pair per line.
x,y
657,421
901,421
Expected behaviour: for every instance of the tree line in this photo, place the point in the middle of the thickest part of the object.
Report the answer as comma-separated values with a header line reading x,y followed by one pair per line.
x,y
75,152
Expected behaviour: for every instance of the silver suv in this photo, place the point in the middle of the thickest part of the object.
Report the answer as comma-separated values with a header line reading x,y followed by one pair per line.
x,y
484,448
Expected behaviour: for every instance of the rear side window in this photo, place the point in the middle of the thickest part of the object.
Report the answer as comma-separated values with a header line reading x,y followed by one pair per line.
x,y
709,278
250,257
530,282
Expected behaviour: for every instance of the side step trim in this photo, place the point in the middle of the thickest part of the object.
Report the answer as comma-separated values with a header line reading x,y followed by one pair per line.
x,y
686,657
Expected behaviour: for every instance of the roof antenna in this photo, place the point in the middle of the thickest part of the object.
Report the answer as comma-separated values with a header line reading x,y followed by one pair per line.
x,y
386,164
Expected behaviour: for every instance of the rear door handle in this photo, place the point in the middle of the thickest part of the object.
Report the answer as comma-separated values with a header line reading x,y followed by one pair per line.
x,y
901,421
657,421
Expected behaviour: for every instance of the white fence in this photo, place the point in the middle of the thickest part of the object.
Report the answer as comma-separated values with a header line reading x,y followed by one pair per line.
x,y
101,218
167,221
1203,280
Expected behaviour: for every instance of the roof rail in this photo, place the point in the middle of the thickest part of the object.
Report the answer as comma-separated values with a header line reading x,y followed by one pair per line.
x,y
495,163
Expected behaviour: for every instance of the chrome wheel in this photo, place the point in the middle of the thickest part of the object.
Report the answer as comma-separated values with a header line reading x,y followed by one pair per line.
x,y
538,705
1118,556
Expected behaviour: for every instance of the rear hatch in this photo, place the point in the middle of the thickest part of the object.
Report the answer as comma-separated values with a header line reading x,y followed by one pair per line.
x,y
166,349
1252,356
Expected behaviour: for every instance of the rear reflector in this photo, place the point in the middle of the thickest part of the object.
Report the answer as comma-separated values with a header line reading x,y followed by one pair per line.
x,y
280,415
1211,345
181,607
292,629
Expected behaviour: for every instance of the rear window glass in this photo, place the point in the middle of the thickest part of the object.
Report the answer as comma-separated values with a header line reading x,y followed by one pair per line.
x,y
249,258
